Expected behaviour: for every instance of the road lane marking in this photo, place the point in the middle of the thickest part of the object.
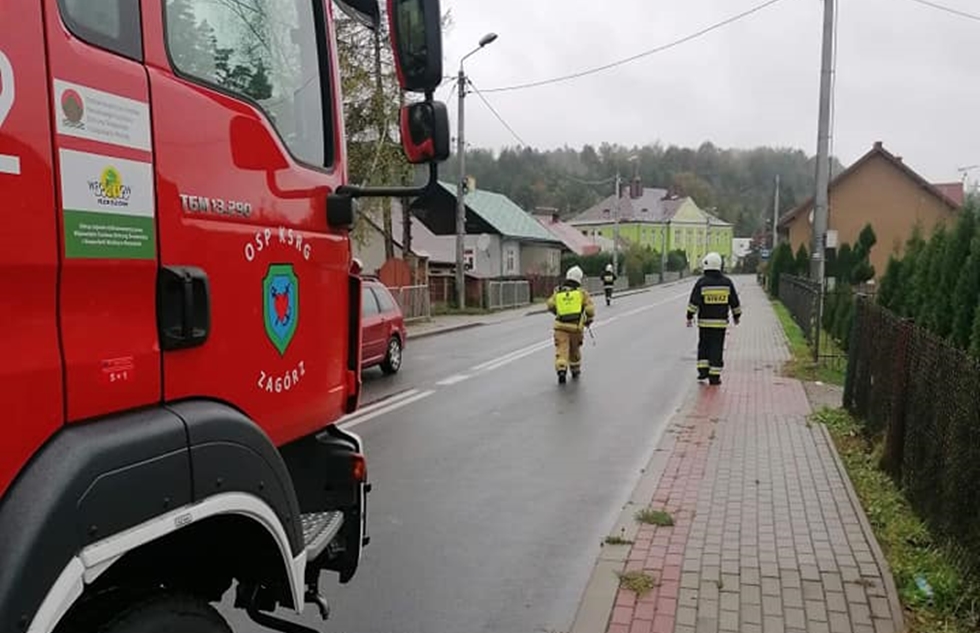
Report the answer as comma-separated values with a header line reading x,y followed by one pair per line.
x,y
452,380
494,361
404,402
377,404
517,354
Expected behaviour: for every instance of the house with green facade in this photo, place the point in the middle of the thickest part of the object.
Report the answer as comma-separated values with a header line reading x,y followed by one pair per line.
x,y
652,217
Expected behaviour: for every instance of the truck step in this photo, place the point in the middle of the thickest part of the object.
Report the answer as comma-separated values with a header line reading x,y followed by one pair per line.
x,y
319,528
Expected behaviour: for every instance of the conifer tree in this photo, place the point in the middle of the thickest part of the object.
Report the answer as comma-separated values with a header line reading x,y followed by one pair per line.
x,y
964,304
802,261
958,249
889,291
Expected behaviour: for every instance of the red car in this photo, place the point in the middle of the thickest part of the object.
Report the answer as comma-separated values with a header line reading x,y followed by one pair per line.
x,y
382,328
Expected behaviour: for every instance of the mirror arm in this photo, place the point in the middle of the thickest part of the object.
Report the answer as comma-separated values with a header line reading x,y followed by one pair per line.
x,y
392,192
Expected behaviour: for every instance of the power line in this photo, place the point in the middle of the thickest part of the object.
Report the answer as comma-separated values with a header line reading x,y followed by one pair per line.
x,y
658,49
495,113
942,7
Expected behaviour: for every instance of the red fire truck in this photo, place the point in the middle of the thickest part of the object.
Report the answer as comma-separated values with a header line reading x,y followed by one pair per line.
x,y
182,312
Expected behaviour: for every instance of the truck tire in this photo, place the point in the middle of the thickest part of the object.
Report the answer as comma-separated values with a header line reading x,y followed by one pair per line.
x,y
393,357
168,614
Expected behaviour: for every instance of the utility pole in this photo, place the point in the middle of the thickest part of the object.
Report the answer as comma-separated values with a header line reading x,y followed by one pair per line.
x,y
461,182
823,168
775,218
663,250
461,196
616,225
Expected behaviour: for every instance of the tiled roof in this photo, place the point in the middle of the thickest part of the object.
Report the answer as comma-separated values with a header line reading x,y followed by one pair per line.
x,y
953,191
649,207
569,235
653,207
504,215
877,150
440,249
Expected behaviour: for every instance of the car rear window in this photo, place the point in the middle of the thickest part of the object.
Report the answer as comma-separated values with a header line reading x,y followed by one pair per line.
x,y
385,299
369,305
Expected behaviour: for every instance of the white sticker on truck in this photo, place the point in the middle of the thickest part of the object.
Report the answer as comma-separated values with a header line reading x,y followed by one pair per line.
x,y
95,115
108,205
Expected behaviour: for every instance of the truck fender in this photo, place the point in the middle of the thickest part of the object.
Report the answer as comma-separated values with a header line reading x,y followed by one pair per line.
x,y
98,490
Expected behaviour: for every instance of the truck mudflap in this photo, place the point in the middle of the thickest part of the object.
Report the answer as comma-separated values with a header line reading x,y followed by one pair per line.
x,y
329,472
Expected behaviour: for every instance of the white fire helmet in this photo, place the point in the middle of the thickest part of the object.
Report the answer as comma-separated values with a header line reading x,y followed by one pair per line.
x,y
712,261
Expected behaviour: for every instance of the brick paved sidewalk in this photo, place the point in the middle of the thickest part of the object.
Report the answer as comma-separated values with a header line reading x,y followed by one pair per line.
x,y
768,535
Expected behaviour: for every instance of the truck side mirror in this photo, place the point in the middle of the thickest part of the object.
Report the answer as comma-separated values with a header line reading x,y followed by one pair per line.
x,y
416,40
425,132
365,12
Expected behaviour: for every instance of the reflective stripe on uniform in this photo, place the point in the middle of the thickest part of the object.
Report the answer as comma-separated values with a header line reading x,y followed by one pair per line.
x,y
714,371
703,364
737,311
692,309
713,323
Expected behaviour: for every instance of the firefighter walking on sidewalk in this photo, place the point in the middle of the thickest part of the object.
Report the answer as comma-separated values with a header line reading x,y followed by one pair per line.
x,y
713,296
608,281
574,311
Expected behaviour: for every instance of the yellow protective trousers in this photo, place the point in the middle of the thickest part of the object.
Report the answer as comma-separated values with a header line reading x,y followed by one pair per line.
x,y
568,349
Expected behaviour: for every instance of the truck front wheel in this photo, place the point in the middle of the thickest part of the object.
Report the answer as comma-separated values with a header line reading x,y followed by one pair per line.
x,y
168,614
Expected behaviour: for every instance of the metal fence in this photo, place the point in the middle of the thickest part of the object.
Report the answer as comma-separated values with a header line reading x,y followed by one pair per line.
x,y
923,395
508,294
414,302
593,285
801,297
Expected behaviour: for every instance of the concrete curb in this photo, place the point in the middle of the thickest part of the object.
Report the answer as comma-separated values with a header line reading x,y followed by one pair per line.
x,y
894,603
443,330
599,598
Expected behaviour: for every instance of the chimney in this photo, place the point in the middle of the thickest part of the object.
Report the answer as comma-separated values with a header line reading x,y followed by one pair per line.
x,y
878,145
898,158
636,188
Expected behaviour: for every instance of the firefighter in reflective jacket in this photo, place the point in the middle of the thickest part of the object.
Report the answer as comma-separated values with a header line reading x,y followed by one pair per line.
x,y
713,296
608,281
574,311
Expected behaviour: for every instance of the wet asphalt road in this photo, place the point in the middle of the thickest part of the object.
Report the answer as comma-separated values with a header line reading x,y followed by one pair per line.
x,y
493,486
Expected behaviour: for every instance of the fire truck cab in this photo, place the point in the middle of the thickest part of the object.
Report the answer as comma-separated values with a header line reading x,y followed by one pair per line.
x,y
182,326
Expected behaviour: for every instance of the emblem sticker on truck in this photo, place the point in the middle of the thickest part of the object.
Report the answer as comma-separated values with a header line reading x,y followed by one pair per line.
x,y
95,115
280,300
108,206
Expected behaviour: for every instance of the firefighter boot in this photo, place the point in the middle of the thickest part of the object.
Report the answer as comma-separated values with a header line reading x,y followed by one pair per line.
x,y
561,376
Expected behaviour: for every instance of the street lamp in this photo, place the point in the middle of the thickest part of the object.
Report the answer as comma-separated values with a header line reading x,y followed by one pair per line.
x,y
461,184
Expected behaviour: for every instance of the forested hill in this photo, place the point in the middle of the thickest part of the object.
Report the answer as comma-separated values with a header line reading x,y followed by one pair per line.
x,y
738,183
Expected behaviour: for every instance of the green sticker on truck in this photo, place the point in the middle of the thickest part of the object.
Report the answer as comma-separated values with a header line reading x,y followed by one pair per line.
x,y
108,205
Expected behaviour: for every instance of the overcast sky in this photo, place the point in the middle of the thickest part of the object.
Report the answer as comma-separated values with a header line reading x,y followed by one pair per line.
x,y
907,74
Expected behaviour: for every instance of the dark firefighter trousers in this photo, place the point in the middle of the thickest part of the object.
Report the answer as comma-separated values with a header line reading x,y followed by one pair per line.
x,y
711,349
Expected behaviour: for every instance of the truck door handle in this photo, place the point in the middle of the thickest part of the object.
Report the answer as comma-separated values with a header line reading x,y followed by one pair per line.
x,y
183,307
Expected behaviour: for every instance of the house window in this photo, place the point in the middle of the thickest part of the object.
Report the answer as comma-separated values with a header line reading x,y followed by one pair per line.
x,y
511,261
